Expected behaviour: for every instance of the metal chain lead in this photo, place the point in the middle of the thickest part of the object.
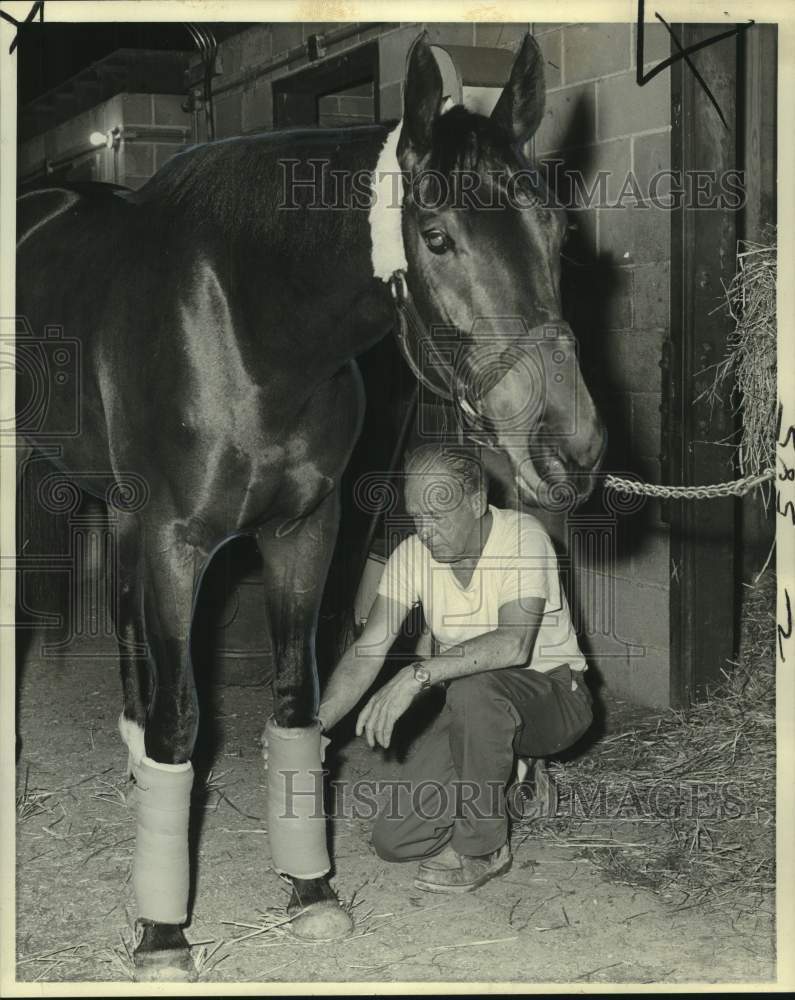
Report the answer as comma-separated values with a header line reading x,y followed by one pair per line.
x,y
737,488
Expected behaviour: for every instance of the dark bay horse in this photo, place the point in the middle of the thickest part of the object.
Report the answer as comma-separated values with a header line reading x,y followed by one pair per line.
x,y
218,311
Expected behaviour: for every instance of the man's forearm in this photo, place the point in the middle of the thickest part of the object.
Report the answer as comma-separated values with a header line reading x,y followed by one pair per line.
x,y
503,647
352,677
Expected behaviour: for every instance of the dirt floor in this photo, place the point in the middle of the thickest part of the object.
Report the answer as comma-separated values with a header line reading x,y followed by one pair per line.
x,y
552,918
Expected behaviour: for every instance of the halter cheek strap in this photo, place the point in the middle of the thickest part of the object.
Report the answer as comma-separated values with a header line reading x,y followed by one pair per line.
x,y
410,322
418,346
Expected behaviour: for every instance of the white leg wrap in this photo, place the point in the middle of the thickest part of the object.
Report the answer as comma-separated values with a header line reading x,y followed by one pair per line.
x,y
296,820
160,869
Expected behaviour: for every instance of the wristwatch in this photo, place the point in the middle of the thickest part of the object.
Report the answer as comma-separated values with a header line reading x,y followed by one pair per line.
x,y
422,675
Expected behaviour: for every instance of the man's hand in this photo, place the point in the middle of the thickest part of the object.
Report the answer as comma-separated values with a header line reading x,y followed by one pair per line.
x,y
378,717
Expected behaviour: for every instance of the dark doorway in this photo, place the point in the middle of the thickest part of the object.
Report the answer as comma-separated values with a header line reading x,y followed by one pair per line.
x,y
344,89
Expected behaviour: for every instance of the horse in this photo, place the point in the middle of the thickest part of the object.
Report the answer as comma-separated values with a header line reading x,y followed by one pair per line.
x,y
219,310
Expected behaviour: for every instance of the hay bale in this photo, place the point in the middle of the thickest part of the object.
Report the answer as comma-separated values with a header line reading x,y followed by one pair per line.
x,y
749,366
711,840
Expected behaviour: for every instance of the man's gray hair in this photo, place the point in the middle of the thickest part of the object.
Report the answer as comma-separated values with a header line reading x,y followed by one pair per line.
x,y
460,462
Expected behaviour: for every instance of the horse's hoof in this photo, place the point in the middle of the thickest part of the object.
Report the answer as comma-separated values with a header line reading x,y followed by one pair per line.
x,y
162,955
164,967
323,921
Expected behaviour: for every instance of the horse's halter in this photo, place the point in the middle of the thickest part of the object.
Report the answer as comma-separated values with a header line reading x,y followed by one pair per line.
x,y
412,335
411,330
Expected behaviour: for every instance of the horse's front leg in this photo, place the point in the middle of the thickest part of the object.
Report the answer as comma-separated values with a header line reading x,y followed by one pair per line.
x,y
296,557
157,572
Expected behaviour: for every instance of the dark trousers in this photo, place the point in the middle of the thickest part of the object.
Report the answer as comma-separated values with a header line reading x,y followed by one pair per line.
x,y
453,785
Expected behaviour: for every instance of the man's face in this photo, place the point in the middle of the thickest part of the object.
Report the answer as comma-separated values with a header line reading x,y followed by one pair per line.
x,y
446,517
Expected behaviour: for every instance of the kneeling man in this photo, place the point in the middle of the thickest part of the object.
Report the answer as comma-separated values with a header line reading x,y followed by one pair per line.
x,y
488,583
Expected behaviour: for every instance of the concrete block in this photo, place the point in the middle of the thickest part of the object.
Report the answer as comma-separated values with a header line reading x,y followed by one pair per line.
x,y
550,45
646,424
652,295
501,34
390,101
583,165
569,119
228,115
136,109
642,613
594,546
541,27
168,110
110,113
230,57
66,136
138,158
625,108
286,35
451,33
369,33
651,155
257,111
351,42
632,359
650,554
656,43
643,680
581,236
393,49
591,51
617,617
635,235
256,46
164,151
597,299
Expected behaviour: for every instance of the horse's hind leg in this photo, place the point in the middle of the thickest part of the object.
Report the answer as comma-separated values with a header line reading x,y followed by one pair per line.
x,y
159,724
134,655
296,558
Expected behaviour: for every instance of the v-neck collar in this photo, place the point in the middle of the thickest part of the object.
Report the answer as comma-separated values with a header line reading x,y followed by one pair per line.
x,y
470,586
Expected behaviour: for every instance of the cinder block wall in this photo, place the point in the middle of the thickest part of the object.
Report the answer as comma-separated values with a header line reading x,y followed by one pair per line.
x,y
248,107
136,160
616,296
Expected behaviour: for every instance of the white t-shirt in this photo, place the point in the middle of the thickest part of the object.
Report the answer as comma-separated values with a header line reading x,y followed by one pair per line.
x,y
518,561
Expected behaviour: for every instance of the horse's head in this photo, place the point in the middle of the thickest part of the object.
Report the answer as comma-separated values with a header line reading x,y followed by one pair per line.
x,y
482,241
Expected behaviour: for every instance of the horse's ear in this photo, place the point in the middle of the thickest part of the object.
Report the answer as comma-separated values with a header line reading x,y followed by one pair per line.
x,y
518,112
422,99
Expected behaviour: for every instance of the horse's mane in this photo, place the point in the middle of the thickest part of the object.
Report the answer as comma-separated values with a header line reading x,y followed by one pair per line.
x,y
228,182
225,178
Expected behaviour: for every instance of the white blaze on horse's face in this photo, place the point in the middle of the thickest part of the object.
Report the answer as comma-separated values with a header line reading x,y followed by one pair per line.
x,y
489,267
388,253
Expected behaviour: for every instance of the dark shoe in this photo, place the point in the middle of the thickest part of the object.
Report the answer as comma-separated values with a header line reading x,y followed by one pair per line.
x,y
450,871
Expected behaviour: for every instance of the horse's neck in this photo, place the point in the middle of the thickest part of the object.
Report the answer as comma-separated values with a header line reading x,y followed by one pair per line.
x,y
332,264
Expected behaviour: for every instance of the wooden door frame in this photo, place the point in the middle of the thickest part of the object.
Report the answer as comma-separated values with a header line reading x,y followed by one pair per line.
x,y
703,540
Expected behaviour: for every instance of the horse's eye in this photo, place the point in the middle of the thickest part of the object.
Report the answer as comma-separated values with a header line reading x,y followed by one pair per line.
x,y
437,241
